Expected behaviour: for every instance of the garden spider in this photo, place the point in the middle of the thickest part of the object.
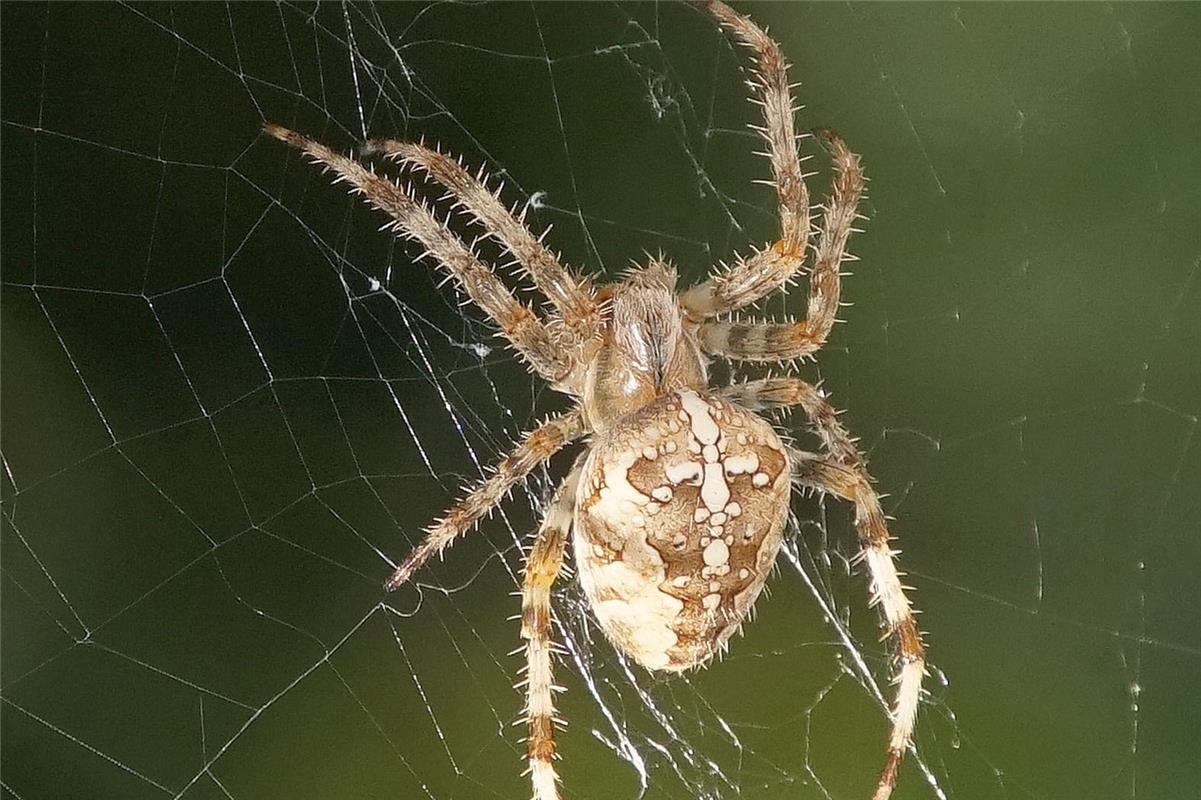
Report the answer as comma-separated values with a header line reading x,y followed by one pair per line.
x,y
678,506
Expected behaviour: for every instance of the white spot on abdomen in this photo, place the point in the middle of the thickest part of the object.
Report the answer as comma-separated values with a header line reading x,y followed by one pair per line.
x,y
717,553
699,420
683,472
742,464
715,492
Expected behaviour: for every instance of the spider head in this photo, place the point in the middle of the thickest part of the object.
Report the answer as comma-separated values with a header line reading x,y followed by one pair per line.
x,y
649,346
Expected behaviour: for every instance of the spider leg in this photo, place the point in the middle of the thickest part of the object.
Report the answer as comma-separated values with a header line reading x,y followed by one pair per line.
x,y
845,475
852,484
532,339
541,568
571,293
767,270
792,391
760,341
537,446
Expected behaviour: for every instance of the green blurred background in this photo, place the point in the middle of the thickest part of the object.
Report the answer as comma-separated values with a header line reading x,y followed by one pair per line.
x,y
227,399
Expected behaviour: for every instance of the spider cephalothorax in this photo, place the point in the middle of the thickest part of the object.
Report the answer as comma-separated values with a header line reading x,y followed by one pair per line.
x,y
676,511
646,347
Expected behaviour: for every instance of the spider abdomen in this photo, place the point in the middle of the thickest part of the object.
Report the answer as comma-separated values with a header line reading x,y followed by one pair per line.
x,y
679,516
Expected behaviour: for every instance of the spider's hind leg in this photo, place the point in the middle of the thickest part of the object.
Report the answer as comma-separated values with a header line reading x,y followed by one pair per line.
x,y
844,475
851,483
542,566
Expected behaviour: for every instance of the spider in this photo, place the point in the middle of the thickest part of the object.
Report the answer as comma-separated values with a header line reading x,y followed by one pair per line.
x,y
679,503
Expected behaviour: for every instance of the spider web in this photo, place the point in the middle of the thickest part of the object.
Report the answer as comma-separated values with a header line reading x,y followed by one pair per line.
x,y
230,403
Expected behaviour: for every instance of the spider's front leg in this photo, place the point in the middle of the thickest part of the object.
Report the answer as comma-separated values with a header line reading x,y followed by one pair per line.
x,y
762,341
537,447
752,278
529,335
570,293
541,568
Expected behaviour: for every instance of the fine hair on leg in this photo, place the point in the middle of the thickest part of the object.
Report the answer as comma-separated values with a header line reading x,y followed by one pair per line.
x,y
570,293
886,592
750,279
754,340
536,448
518,323
542,566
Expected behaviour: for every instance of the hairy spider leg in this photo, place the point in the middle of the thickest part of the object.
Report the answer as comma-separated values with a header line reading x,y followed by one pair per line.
x,y
886,591
518,323
771,341
845,476
571,293
542,566
537,447
786,392
750,279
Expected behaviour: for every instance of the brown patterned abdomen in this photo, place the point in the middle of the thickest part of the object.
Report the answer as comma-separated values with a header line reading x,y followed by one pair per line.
x,y
679,516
